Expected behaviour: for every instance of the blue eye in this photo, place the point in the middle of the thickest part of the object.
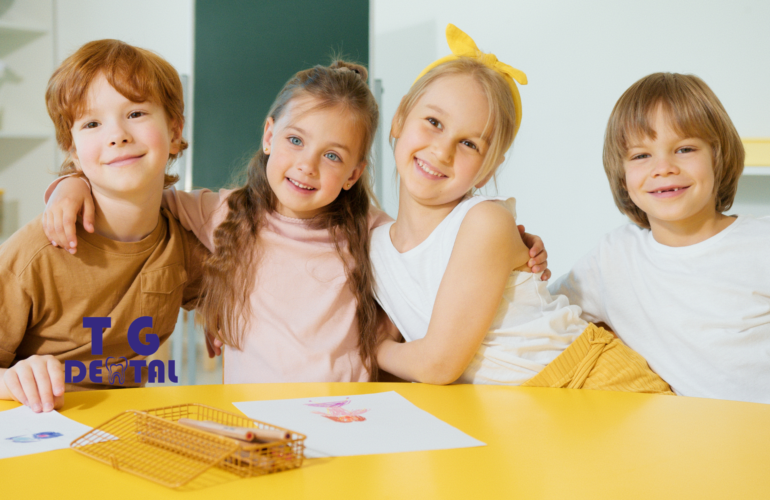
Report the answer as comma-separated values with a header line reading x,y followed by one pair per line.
x,y
296,141
333,157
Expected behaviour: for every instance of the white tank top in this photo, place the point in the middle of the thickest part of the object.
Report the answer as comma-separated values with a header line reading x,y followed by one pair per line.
x,y
531,328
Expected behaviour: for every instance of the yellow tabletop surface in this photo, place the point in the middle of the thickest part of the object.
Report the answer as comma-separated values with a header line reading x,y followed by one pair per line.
x,y
541,443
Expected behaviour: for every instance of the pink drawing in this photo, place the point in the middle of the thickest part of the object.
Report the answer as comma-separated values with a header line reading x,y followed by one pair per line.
x,y
335,411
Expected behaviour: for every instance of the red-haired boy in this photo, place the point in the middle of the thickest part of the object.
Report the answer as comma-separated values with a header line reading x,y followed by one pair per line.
x,y
118,112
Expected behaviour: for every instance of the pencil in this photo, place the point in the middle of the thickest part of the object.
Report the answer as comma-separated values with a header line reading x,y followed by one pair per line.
x,y
242,433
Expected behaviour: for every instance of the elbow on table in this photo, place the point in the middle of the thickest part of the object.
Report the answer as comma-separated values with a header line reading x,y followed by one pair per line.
x,y
439,373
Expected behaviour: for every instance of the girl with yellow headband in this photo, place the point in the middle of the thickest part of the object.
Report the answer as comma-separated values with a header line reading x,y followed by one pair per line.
x,y
451,271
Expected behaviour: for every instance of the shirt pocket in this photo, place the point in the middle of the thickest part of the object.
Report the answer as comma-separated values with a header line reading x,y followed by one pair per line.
x,y
162,291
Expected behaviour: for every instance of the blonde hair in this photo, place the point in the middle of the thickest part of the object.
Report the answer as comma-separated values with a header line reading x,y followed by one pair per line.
x,y
501,124
137,74
694,111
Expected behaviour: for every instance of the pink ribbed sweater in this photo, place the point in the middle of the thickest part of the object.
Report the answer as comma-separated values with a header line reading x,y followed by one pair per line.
x,y
304,326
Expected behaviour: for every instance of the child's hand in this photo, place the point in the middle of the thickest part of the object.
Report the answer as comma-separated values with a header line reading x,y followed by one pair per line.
x,y
538,256
61,212
213,345
37,382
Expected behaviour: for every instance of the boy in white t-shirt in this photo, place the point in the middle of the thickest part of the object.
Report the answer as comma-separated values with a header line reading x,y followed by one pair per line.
x,y
685,286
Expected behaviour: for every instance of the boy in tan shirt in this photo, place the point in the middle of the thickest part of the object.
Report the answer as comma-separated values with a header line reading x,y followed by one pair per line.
x,y
118,112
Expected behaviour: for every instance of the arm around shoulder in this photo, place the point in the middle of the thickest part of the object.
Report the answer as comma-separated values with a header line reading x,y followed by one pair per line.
x,y
199,211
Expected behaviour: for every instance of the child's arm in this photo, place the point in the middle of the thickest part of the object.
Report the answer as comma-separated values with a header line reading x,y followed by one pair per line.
x,y
65,198
488,247
68,195
583,287
37,381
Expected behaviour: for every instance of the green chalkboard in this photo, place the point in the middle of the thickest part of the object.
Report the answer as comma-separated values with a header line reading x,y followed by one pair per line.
x,y
245,50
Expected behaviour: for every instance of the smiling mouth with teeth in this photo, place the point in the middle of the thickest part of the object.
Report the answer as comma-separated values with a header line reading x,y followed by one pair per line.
x,y
669,190
300,185
425,169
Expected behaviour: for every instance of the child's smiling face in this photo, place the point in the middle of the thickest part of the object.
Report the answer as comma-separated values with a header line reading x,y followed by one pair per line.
x,y
122,146
315,153
440,149
671,178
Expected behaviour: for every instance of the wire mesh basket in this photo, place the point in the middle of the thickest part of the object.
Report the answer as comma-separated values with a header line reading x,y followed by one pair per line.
x,y
152,444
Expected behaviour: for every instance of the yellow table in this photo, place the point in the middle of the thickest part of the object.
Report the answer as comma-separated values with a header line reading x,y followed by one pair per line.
x,y
541,443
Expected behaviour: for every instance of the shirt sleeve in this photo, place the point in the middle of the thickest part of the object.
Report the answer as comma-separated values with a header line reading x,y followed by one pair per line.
x,y
377,217
582,286
15,305
199,211
196,255
50,189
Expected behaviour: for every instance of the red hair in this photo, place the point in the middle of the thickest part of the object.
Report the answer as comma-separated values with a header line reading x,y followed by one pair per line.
x,y
137,74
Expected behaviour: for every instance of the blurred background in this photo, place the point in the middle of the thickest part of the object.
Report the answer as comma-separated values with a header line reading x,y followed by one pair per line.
x,y
234,56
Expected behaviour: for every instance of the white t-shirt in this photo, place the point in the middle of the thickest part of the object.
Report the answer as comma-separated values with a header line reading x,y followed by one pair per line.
x,y
700,314
530,328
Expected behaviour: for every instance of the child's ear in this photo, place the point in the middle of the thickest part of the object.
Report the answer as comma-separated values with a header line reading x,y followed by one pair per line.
x,y
176,137
267,135
491,173
354,176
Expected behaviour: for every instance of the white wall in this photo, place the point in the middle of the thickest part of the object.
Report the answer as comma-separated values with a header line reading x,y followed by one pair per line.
x,y
26,135
165,27
579,58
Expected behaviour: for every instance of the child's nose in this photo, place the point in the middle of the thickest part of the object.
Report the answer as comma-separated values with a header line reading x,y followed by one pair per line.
x,y
444,150
118,134
665,166
308,165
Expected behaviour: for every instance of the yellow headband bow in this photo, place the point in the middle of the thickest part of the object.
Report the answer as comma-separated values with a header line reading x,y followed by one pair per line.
x,y
462,45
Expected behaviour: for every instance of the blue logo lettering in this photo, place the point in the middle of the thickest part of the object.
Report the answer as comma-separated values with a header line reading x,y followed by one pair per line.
x,y
153,342
68,366
116,370
97,326
116,367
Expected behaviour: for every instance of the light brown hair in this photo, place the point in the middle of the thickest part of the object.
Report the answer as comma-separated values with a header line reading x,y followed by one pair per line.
x,y
501,124
229,272
137,74
693,111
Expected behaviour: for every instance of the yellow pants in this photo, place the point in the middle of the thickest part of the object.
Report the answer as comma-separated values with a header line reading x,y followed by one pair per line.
x,y
599,360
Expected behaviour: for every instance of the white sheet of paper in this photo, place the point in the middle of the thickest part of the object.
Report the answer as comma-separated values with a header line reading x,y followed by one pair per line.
x,y
359,425
23,432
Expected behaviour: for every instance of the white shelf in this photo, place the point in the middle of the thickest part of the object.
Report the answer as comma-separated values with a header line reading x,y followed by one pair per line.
x,y
26,134
23,27
756,170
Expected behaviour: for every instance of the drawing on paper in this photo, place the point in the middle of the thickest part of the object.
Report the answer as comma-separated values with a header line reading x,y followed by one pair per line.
x,y
34,438
336,412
